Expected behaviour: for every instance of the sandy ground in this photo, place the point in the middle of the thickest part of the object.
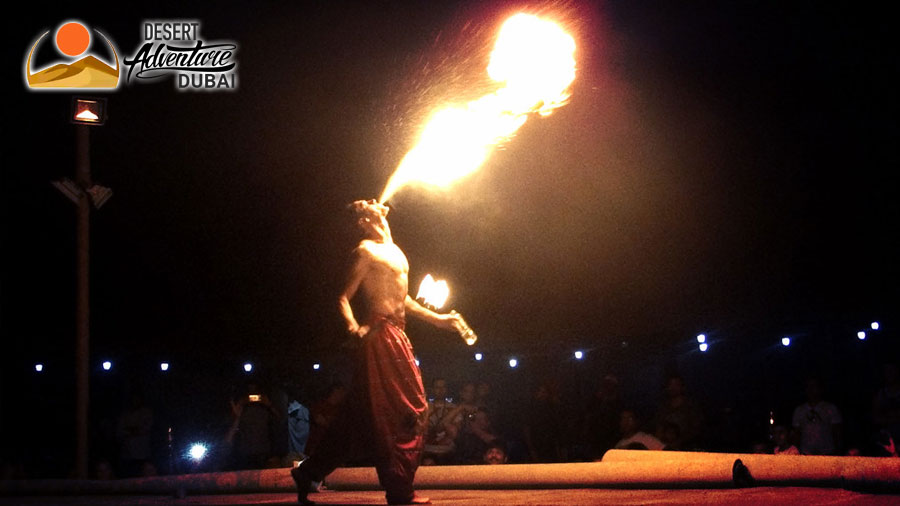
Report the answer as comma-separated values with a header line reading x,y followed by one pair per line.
x,y
760,495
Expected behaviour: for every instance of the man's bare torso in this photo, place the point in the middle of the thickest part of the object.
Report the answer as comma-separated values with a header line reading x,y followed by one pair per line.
x,y
385,282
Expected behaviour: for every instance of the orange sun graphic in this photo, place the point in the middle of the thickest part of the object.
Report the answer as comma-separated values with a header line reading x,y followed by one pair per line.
x,y
72,39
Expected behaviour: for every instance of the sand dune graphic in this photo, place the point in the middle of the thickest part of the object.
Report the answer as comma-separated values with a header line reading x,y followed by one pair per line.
x,y
88,72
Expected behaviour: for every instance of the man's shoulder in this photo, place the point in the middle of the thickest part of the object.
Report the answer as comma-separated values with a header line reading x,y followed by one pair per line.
x,y
366,248
374,250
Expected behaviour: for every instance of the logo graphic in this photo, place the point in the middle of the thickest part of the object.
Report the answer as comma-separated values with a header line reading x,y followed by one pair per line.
x,y
175,48
89,72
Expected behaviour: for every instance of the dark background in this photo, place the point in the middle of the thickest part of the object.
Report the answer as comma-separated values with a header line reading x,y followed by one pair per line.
x,y
722,167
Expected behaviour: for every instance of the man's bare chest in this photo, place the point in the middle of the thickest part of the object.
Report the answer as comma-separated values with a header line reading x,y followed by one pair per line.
x,y
389,257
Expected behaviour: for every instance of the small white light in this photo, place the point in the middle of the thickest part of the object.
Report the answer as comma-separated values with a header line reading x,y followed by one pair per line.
x,y
701,338
861,335
248,367
704,346
107,365
38,367
317,366
479,356
513,362
417,361
197,451
785,341
579,354
164,366
875,326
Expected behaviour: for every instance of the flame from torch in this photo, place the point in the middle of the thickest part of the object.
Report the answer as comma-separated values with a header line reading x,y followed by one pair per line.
x,y
434,294
534,59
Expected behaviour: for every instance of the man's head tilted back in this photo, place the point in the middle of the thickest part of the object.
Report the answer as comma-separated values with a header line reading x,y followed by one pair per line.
x,y
369,214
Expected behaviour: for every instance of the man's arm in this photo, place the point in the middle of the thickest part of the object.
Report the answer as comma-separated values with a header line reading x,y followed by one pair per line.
x,y
358,268
448,321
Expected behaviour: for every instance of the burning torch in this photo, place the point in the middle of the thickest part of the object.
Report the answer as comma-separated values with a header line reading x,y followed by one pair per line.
x,y
433,294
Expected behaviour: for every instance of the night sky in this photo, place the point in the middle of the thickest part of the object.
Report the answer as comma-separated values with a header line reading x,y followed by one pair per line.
x,y
722,167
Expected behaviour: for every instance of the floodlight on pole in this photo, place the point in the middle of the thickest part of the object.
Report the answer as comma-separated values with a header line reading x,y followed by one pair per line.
x,y
84,114
88,111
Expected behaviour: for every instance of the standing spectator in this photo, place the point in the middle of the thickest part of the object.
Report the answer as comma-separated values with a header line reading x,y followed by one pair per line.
x,y
456,420
255,421
323,413
438,440
543,429
298,429
679,409
133,429
601,425
817,422
483,397
632,437
886,404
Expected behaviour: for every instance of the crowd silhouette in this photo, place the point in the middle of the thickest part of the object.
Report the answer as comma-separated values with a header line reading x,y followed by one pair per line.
x,y
472,422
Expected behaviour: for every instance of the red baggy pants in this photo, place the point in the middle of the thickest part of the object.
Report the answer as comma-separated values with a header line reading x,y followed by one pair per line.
x,y
383,416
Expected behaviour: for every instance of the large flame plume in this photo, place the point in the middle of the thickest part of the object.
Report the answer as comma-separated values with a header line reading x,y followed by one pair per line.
x,y
534,61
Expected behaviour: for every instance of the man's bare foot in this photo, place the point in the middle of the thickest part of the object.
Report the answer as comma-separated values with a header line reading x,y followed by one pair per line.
x,y
417,499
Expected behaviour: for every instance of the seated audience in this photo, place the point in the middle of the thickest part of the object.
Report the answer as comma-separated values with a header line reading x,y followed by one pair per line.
x,y
475,439
495,453
781,439
631,436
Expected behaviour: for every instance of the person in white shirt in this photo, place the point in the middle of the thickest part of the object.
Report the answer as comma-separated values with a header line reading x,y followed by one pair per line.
x,y
818,422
